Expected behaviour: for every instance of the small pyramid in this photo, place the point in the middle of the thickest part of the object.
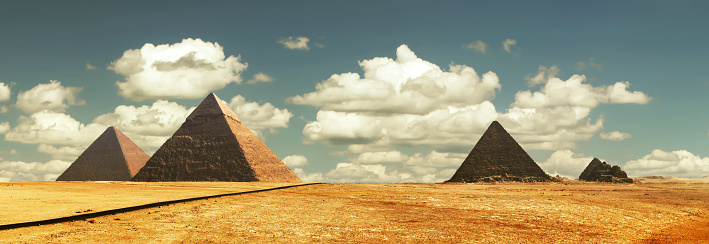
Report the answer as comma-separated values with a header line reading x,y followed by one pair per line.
x,y
111,157
603,172
214,145
498,157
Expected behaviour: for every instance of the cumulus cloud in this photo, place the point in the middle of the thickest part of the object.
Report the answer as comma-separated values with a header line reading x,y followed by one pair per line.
x,y
4,92
52,97
566,164
581,65
89,66
65,153
380,157
15,171
575,92
4,127
162,118
479,46
259,117
53,128
557,115
615,136
189,69
407,85
680,163
260,77
508,43
308,177
3,109
543,75
300,42
295,161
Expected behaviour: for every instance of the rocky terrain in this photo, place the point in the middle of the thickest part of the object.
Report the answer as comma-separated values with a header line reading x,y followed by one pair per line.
x,y
569,212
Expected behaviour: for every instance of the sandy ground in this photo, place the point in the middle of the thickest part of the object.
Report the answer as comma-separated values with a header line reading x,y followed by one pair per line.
x,y
31,201
572,212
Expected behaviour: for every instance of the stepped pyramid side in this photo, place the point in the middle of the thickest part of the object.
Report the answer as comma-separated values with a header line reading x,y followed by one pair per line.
x,y
214,145
603,172
111,157
498,157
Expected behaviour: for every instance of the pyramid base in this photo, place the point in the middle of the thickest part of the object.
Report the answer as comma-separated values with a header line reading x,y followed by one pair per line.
x,y
504,178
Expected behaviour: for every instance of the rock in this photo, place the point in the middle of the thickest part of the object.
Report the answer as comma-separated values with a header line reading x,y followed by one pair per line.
x,y
603,172
111,157
214,145
498,157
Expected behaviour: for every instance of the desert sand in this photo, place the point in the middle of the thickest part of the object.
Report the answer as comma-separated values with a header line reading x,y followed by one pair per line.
x,y
567,212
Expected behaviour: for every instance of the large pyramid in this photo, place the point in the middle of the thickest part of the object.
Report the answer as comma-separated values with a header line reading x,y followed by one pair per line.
x,y
498,157
111,157
213,145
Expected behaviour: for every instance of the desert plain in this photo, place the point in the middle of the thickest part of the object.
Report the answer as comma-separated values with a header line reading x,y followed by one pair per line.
x,y
649,211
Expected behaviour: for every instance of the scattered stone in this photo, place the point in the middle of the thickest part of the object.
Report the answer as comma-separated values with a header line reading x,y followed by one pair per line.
x,y
602,172
498,157
214,145
111,157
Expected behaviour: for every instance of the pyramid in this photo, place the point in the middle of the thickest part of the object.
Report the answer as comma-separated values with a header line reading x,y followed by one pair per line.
x,y
111,157
603,172
498,157
214,145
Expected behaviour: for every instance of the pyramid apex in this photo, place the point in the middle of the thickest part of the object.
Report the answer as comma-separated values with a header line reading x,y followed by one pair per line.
x,y
212,105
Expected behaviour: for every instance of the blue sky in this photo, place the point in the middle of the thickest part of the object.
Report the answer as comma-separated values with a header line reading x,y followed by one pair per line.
x,y
623,81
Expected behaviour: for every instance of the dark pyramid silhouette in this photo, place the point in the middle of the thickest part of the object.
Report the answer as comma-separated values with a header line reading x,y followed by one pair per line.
x,y
498,157
601,171
213,145
111,157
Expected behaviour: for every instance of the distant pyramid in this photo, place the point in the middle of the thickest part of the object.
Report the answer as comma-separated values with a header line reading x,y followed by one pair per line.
x,y
603,172
111,157
498,157
213,145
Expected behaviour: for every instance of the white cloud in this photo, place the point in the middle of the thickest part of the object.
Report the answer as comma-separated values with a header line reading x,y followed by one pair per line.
x,y
295,161
305,177
162,118
615,136
189,69
574,92
407,85
444,128
566,164
52,97
299,42
21,171
62,153
259,117
4,127
508,43
581,65
4,92
3,109
680,163
53,128
543,75
260,77
381,157
479,46
89,66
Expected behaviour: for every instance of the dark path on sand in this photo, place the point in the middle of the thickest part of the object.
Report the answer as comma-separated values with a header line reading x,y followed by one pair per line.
x,y
134,208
